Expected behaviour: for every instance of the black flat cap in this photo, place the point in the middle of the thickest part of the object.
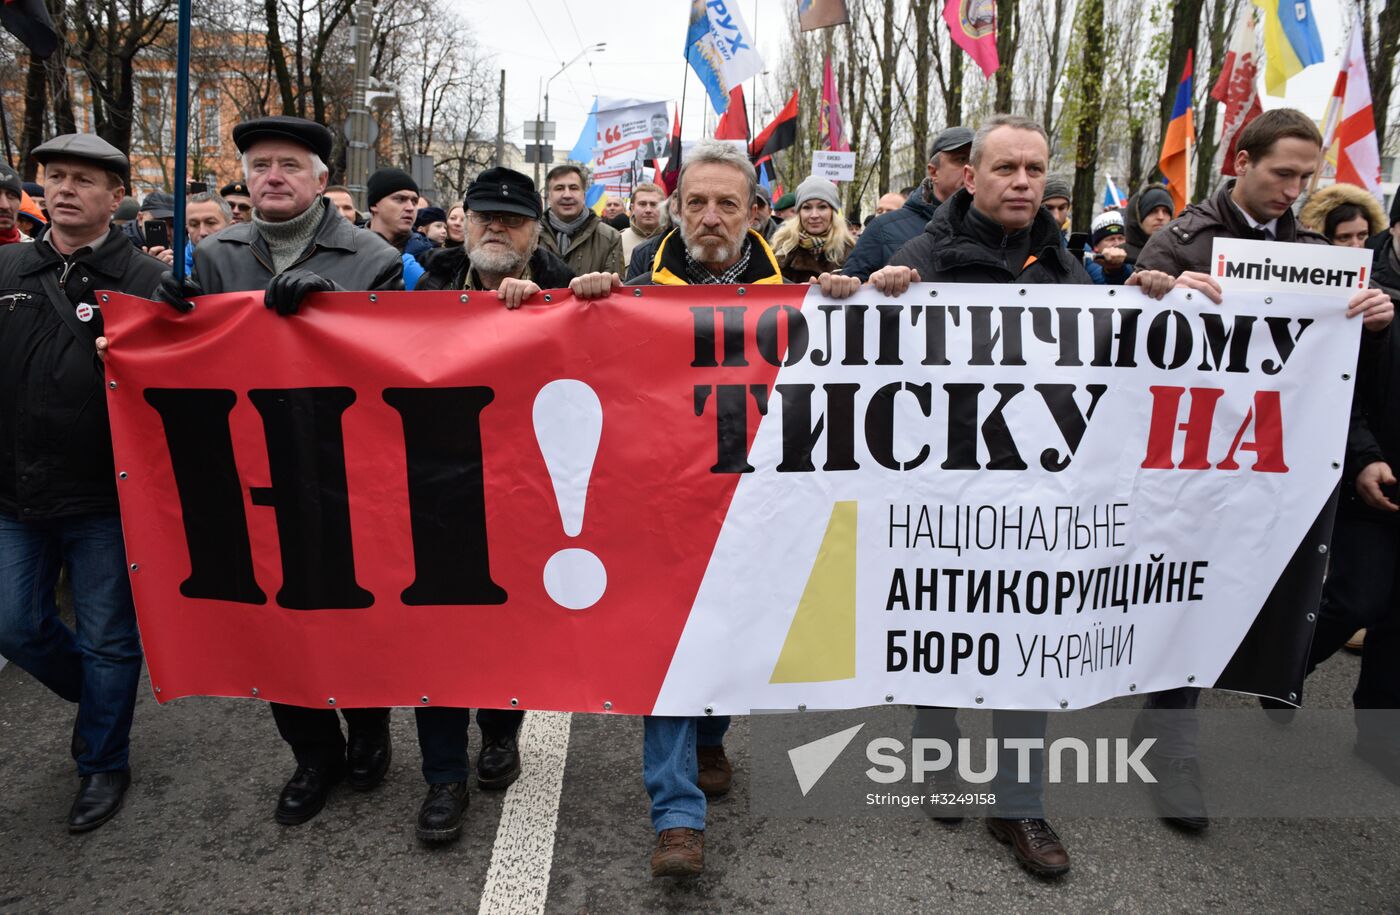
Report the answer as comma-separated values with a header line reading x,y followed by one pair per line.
x,y
160,204
313,136
87,146
503,190
234,187
950,139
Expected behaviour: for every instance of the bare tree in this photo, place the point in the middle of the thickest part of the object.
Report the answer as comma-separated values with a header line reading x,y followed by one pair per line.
x,y
107,37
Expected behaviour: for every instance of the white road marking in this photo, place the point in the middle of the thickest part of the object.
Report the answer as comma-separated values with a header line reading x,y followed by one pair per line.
x,y
517,881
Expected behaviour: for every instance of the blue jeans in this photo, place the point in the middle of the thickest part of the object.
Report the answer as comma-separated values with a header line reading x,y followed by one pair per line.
x,y
99,664
670,770
1015,799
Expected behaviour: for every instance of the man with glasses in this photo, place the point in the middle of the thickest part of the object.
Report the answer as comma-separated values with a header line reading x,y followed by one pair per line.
x,y
502,254
236,195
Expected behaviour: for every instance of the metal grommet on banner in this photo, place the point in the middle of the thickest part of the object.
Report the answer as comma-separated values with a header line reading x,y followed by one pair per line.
x,y
1022,292
255,692
424,700
1312,617
741,290
1268,300
514,702
1292,697
1064,703
709,710
157,690
112,385
1346,376
122,475
889,698
548,297
462,298
636,292
607,705
1322,547
1188,295
933,293
1113,292
104,300
135,567
1191,678
330,701
802,706
373,297
1132,687
978,700
1336,466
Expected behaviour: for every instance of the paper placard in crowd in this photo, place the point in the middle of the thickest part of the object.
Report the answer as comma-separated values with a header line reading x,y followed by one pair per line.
x,y
1238,263
834,166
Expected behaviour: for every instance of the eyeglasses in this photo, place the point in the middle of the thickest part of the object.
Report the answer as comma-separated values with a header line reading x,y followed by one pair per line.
x,y
509,220
241,207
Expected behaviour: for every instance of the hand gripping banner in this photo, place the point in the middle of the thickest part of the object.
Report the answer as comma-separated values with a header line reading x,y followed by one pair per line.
x,y
675,500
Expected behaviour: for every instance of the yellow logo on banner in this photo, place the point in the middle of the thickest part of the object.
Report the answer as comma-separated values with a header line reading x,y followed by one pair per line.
x,y
821,642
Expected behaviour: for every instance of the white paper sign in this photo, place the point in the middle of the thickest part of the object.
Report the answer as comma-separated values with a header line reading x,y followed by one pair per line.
x,y
1238,263
834,166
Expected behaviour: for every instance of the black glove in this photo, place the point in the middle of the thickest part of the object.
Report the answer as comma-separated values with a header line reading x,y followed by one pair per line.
x,y
177,293
286,290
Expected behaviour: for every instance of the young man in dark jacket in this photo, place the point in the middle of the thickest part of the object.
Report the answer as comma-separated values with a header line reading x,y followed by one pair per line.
x,y
995,230
58,495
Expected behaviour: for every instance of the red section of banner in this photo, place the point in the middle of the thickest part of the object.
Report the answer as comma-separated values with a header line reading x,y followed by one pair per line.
x,y
653,509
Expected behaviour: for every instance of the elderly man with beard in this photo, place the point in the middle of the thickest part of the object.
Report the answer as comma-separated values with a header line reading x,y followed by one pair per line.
x,y
502,252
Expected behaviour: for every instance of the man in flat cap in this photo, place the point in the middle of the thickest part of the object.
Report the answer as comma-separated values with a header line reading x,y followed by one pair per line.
x,y
11,194
58,497
235,194
297,244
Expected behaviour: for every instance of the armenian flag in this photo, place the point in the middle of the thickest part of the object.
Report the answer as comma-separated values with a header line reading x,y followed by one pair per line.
x,y
1177,145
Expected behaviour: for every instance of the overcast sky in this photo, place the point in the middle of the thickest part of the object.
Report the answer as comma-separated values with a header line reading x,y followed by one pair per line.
x,y
531,39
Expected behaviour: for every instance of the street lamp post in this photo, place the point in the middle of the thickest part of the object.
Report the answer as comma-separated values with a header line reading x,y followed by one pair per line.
x,y
600,46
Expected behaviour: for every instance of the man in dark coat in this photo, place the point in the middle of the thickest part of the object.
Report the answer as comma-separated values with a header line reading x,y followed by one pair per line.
x,y
1277,153
888,233
58,495
297,244
995,230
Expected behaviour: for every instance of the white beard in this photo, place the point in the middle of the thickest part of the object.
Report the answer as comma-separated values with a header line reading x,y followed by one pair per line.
x,y
498,263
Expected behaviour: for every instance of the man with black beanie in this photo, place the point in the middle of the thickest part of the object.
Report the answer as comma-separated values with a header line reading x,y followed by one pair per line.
x,y
11,193
392,198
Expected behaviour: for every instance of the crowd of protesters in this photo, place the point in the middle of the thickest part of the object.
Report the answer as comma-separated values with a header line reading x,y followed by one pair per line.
x,y
987,211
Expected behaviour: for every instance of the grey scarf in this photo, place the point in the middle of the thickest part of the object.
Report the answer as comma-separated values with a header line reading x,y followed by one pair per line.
x,y
565,231
287,240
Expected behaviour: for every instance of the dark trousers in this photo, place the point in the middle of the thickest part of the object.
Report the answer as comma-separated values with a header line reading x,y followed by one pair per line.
x,y
316,739
1363,592
1014,798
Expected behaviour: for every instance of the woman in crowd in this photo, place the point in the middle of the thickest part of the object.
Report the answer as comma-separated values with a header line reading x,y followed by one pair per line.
x,y
816,239
1345,213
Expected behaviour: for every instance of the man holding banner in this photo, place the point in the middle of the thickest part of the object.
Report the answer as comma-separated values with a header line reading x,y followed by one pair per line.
x,y
683,759
294,226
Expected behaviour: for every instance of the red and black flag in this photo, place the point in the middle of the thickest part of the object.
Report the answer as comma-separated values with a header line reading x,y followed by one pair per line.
x,y
28,20
778,135
670,176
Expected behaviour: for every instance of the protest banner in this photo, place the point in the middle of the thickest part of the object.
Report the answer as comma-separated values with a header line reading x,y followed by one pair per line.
x,y
631,132
834,165
1245,263
680,500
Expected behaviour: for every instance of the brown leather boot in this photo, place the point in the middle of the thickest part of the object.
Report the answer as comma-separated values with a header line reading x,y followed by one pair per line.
x,y
679,852
716,774
1034,844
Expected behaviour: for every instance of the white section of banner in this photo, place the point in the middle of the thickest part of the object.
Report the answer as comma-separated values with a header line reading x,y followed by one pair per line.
x,y
1244,263
1040,649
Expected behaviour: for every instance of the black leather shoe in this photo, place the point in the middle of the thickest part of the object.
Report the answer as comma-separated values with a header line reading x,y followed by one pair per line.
x,y
99,798
367,757
443,810
498,763
304,796
1177,792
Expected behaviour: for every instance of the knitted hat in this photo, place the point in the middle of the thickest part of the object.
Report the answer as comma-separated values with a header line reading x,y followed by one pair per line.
x,y
1152,197
1104,225
429,215
817,188
387,181
1057,186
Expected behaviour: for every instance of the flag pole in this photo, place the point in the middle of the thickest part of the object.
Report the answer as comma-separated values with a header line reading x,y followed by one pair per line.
x,y
182,125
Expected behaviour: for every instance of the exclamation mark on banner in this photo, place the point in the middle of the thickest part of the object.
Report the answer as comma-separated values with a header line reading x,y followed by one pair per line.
x,y
568,425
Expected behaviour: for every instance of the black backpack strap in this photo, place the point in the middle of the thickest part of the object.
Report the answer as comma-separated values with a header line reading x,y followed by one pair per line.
x,y
85,333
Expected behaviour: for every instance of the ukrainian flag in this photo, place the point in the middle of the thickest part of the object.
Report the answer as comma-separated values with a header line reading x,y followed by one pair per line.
x,y
1291,41
1175,161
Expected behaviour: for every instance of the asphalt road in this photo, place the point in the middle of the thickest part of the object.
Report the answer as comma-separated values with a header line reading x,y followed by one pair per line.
x,y
197,835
